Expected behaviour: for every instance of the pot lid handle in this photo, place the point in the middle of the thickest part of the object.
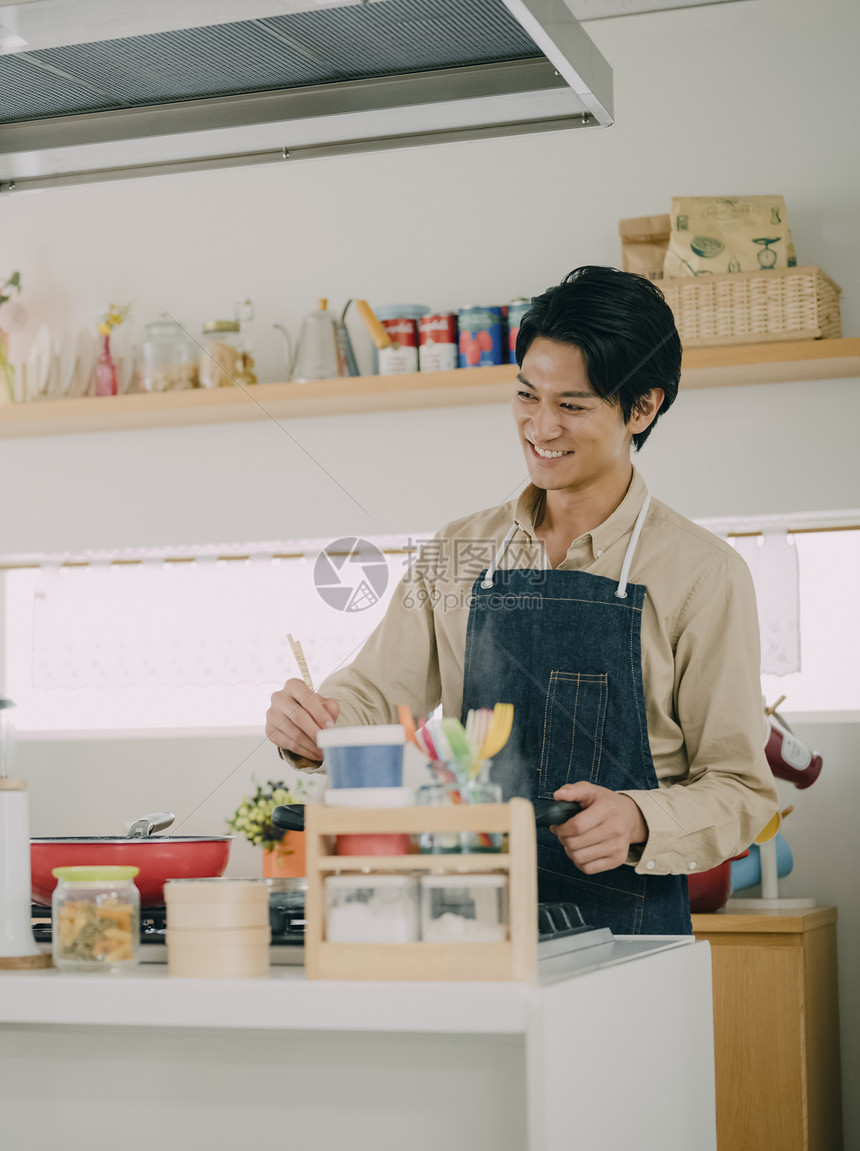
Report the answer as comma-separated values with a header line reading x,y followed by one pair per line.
x,y
289,817
144,827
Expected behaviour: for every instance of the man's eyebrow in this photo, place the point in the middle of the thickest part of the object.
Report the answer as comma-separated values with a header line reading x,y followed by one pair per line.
x,y
574,395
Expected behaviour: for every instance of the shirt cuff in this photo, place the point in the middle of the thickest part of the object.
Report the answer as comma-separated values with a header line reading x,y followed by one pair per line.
x,y
309,766
662,853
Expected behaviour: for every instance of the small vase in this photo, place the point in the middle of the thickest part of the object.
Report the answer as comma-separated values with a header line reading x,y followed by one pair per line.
x,y
106,377
287,858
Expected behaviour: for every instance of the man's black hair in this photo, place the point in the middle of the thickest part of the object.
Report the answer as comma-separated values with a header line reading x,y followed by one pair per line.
x,y
624,329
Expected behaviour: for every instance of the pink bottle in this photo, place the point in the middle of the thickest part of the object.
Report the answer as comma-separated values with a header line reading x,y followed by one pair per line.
x,y
106,379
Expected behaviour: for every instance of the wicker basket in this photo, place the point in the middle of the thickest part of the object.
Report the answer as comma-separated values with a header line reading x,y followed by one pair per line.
x,y
755,307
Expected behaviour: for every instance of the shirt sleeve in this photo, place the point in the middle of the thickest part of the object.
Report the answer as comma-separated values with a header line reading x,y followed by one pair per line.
x,y
729,793
398,664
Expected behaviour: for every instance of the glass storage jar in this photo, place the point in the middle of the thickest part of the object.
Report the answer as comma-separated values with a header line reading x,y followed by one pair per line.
x,y
95,918
439,795
371,909
220,354
168,357
464,908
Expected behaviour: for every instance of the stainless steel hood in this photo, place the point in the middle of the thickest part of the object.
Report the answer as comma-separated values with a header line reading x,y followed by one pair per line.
x,y
109,89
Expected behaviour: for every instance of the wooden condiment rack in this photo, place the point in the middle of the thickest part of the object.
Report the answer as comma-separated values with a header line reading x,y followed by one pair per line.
x,y
514,959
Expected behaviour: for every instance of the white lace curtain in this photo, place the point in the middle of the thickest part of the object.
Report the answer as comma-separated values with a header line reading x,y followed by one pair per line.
x,y
193,623
211,621
772,559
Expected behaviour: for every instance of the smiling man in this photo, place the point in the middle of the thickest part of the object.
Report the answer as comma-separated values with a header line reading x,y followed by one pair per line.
x,y
625,635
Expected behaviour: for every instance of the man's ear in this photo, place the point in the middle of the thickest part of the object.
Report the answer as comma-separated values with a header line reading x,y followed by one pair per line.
x,y
645,412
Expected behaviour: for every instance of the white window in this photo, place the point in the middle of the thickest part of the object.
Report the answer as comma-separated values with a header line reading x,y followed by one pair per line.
x,y
152,646
156,645
829,585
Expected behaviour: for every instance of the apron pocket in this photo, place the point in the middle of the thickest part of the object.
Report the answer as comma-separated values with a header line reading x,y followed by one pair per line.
x,y
574,716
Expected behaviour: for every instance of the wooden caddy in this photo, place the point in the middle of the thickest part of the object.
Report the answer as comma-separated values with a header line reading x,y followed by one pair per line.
x,y
515,959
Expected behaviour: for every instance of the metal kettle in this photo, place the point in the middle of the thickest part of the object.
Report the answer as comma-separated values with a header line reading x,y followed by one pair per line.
x,y
318,354
324,349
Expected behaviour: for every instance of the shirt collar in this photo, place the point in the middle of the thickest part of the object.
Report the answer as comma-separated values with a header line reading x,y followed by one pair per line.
x,y
620,523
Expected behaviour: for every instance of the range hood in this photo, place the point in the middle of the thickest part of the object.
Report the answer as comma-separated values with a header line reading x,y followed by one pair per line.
x,y
109,89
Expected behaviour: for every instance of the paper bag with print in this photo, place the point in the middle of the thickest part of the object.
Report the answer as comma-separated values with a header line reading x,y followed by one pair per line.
x,y
644,240
713,234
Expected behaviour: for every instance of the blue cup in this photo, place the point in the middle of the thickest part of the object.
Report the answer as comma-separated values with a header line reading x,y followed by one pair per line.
x,y
363,756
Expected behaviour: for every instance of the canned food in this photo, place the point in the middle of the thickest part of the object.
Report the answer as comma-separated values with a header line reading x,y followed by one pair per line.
x,y
402,355
437,336
480,336
516,310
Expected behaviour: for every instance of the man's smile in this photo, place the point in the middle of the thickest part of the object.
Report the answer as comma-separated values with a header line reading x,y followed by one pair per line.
x,y
547,453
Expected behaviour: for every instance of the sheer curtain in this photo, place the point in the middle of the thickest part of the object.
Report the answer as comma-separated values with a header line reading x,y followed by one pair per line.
x,y
772,559
201,642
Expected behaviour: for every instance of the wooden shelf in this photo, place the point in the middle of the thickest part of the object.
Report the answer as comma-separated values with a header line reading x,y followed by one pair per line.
x,y
784,362
453,861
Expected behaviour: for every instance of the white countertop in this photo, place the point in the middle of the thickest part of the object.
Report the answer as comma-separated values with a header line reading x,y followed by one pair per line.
x,y
286,1000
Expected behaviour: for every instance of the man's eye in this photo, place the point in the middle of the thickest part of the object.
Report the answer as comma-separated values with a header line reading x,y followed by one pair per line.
x,y
573,408
525,395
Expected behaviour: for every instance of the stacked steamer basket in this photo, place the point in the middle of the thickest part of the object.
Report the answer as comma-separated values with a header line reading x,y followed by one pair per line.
x,y
217,928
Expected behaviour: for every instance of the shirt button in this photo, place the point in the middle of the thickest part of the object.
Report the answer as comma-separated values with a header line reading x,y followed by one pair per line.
x,y
692,867
650,864
599,552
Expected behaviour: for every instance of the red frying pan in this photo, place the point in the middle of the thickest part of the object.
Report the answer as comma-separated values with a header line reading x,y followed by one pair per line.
x,y
159,857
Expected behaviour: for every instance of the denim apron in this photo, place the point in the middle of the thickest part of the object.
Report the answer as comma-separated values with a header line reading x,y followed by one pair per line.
x,y
564,647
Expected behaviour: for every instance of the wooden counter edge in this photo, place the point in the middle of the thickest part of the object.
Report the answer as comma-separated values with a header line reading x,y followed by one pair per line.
x,y
763,922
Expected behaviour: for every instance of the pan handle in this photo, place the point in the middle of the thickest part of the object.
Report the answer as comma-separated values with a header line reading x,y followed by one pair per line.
x,y
551,812
144,827
289,817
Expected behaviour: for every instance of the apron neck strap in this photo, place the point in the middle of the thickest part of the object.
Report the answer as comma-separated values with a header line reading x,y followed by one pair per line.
x,y
487,581
621,590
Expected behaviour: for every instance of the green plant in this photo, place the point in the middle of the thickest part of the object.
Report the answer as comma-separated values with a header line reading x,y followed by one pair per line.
x,y
13,282
253,817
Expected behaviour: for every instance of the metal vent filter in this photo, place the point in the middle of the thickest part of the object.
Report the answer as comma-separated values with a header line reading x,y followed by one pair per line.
x,y
287,51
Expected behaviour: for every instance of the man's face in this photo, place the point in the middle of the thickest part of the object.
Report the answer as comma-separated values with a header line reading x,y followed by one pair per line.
x,y
571,437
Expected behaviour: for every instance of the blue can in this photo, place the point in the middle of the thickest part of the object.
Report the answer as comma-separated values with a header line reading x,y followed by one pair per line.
x,y
481,337
516,310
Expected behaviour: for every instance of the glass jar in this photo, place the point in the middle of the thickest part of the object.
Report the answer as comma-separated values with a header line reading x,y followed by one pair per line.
x,y
220,354
482,791
464,908
96,918
371,909
439,794
168,358
444,793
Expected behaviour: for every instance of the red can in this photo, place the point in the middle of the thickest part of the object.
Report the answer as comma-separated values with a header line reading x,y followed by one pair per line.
x,y
438,350
402,355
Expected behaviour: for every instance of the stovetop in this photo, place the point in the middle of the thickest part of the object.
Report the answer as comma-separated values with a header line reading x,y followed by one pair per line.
x,y
286,918
561,928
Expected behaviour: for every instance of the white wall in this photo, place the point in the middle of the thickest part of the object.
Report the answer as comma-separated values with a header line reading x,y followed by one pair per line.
x,y
750,97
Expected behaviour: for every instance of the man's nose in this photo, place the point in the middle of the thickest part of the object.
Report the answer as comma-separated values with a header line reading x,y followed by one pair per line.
x,y
545,425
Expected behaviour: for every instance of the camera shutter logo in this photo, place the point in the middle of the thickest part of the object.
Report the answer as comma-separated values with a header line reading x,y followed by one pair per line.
x,y
351,574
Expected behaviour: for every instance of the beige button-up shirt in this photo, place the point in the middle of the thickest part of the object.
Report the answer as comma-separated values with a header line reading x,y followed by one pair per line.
x,y
700,657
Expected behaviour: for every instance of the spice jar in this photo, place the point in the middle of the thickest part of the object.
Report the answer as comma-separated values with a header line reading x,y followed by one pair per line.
x,y
96,918
219,356
168,358
464,908
371,909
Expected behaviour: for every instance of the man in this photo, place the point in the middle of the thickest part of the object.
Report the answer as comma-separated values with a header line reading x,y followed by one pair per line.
x,y
625,635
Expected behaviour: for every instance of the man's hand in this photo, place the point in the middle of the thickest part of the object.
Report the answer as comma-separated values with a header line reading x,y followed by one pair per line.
x,y
599,837
295,717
